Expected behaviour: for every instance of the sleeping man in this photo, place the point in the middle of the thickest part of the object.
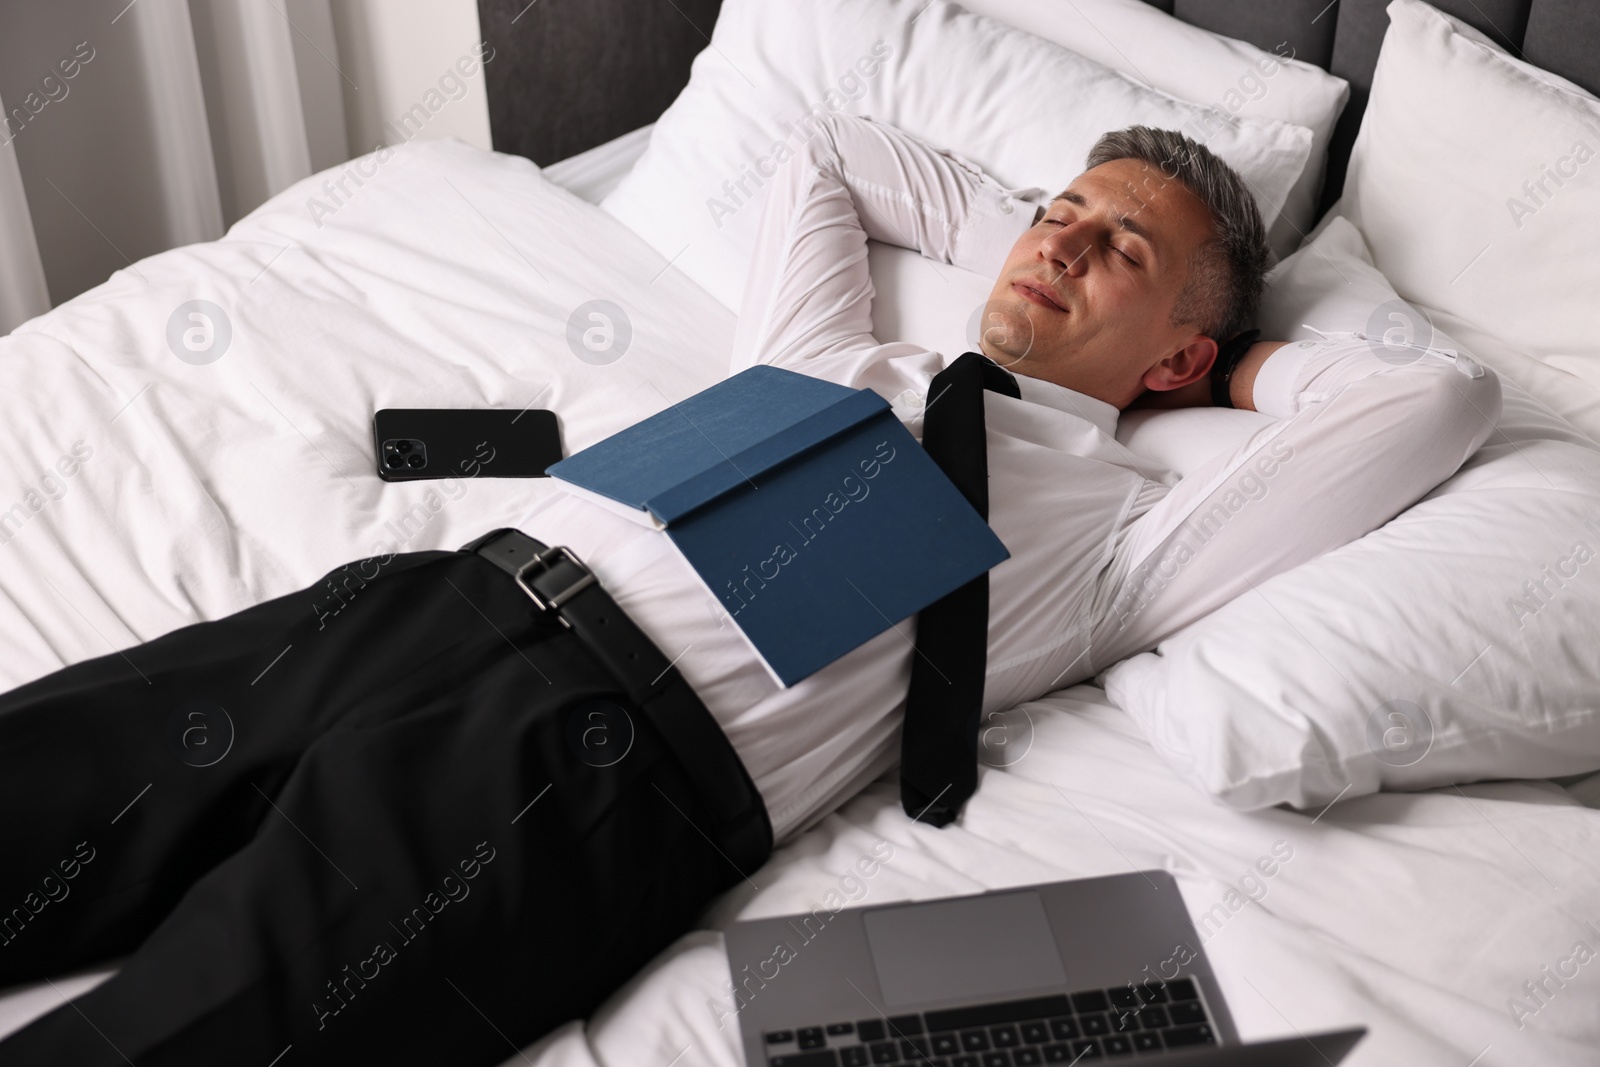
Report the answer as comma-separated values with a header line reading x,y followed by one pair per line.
x,y
464,808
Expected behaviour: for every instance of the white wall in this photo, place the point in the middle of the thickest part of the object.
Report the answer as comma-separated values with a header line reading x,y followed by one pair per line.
x,y
396,51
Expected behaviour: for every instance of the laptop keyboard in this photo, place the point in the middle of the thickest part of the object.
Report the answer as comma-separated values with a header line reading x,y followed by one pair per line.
x,y
1130,1020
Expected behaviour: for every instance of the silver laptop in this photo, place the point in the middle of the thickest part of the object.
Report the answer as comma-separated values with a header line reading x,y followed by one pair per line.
x,y
1066,972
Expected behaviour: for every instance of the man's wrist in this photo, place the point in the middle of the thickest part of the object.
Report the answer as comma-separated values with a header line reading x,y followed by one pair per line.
x,y
1242,386
1230,356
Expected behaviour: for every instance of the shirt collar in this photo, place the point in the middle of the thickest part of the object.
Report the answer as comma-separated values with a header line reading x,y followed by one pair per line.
x,y
1101,414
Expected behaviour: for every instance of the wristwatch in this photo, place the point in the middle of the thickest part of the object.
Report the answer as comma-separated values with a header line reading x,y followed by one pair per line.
x,y
1228,357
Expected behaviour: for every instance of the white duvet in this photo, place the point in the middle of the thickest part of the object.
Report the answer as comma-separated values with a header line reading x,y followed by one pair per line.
x,y
141,492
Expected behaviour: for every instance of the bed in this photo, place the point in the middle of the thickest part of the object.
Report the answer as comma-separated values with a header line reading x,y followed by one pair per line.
x,y
170,477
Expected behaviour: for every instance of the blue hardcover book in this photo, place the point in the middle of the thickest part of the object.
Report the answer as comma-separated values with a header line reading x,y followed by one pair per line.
x,y
806,507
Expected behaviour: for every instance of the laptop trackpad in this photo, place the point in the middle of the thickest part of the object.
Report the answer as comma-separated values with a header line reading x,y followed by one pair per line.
x,y
967,947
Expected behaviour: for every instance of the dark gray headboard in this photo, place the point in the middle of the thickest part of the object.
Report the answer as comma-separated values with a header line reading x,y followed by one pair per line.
x,y
572,74
568,75
1562,36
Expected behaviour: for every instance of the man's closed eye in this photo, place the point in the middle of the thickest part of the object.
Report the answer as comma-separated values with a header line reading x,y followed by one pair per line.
x,y
1114,248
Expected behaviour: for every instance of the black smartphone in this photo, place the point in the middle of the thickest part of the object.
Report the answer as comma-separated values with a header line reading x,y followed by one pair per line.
x,y
415,443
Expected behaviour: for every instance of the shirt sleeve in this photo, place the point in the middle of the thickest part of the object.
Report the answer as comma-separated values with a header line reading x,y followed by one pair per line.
x,y
1363,433
807,304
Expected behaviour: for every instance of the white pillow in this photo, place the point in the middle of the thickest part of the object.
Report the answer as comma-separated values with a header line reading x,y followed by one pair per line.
x,y
1153,48
1024,110
1182,439
1454,129
1420,655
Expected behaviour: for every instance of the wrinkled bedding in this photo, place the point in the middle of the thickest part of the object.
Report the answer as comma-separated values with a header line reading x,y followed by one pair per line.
x,y
152,482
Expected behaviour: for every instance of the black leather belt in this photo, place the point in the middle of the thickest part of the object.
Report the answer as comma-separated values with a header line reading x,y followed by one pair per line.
x,y
558,581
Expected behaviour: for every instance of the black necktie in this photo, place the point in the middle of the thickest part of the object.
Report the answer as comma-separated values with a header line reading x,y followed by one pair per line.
x,y
939,741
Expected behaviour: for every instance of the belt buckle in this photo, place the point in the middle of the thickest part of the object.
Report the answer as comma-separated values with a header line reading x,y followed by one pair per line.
x,y
542,559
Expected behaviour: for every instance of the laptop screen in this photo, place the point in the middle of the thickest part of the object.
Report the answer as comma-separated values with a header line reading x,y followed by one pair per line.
x,y
966,947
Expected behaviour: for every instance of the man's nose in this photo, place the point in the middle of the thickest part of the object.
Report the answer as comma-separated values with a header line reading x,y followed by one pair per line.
x,y
1068,247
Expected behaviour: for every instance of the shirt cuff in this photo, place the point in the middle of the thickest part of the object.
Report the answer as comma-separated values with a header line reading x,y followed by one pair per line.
x,y
998,216
1277,383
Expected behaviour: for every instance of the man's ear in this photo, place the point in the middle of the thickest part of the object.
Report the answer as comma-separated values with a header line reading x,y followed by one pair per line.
x,y
1188,364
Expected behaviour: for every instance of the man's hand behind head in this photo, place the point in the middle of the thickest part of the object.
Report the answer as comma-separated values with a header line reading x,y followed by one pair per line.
x,y
1241,387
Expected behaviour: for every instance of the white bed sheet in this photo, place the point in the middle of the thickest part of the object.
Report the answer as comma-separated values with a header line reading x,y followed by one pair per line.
x,y
447,278
1416,915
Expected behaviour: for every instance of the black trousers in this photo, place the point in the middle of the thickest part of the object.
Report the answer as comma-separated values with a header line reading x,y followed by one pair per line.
x,y
402,820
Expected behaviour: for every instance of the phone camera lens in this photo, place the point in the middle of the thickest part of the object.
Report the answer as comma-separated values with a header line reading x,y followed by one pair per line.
x,y
402,447
393,462
414,462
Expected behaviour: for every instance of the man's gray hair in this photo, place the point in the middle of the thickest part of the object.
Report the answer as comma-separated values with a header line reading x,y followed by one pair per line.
x,y
1227,272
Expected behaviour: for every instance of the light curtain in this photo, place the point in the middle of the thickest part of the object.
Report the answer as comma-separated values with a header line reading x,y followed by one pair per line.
x,y
22,289
176,119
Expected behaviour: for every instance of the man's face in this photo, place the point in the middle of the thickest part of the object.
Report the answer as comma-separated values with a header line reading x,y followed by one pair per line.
x,y
1085,298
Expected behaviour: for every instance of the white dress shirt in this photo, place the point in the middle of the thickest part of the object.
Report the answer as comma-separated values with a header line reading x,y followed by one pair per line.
x,y
1110,553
